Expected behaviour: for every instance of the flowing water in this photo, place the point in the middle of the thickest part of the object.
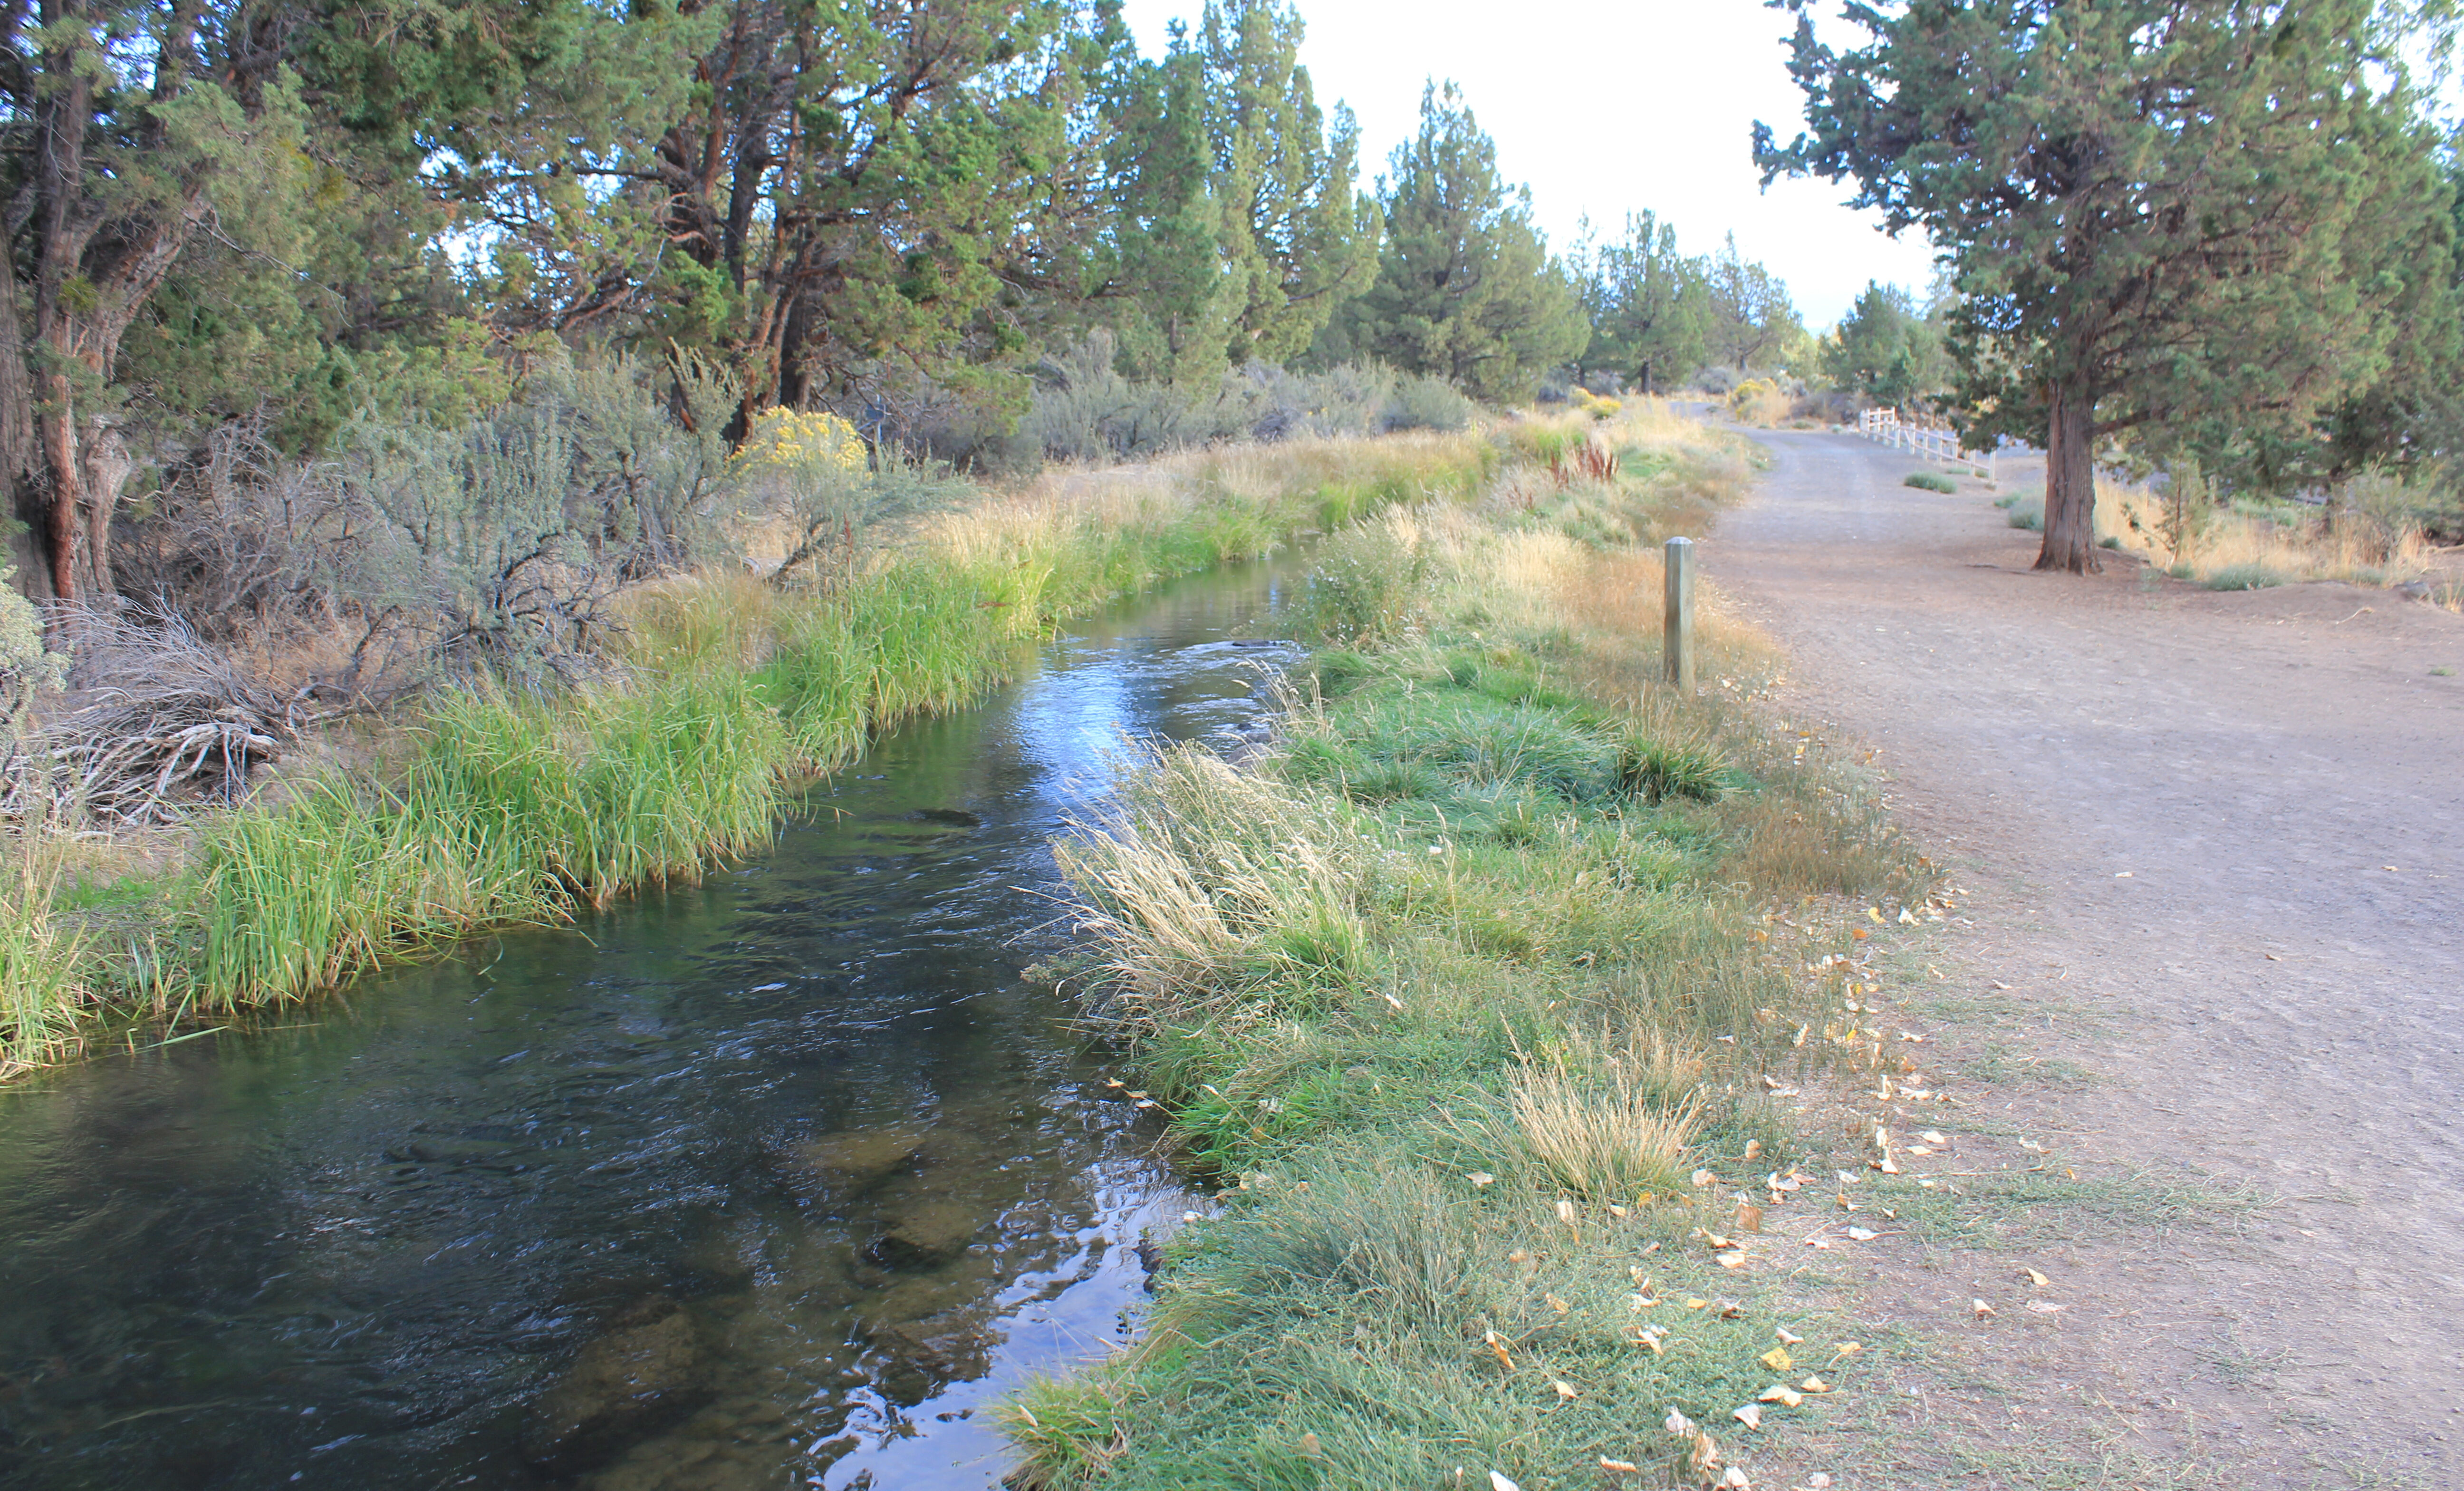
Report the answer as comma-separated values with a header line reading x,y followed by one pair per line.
x,y
778,1180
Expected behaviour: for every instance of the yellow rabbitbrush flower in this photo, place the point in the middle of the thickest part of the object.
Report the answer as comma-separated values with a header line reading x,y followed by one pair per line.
x,y
805,440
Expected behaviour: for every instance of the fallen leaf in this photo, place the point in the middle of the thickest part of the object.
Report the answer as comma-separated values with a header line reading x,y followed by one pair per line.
x,y
1735,1481
1617,1211
1787,1337
1818,1242
1565,1391
1706,1452
1480,1178
1498,1347
1678,1424
1846,1349
2121,875
1859,933
1750,1415
1817,1481
1862,1235
1642,1280
1622,1467
1875,912
1112,1081
1908,918
1933,1137
1729,1309
1566,1211
1719,1244
1749,1218
1918,1150
1312,1448
1497,1483
1729,1260
1815,1385
1777,1359
1518,1256
1703,1177
1984,1311
1696,1304
1555,1303
2038,1280
2046,1307
1783,1395
1886,1166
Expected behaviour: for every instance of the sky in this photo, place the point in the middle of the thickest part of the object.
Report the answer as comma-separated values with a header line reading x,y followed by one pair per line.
x,y
1605,108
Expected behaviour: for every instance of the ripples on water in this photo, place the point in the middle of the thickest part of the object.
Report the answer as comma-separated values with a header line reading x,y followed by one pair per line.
x,y
778,1180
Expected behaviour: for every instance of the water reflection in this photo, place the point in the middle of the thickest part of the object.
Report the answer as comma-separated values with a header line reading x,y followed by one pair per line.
x,y
776,1180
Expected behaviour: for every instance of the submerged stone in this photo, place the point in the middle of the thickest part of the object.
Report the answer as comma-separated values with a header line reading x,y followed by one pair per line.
x,y
924,1234
860,1159
642,1375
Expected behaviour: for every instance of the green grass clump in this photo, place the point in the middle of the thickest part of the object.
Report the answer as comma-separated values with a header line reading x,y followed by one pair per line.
x,y
43,994
1459,987
2244,577
2026,512
1930,482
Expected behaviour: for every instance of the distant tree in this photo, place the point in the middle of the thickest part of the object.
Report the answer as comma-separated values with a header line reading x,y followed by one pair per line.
x,y
1300,237
1885,350
1752,320
2160,213
1168,283
1650,306
1466,287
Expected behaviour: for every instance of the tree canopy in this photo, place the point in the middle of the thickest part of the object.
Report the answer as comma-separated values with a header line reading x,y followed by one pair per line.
x,y
293,215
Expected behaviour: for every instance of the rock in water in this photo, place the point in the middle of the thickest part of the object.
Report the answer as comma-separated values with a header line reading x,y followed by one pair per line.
x,y
926,1233
639,1377
859,1159
923,1354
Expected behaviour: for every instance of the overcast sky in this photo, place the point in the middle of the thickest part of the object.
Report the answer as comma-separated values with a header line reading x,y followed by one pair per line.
x,y
1606,108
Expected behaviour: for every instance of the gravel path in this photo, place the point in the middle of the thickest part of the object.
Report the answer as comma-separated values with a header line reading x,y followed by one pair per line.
x,y
2218,840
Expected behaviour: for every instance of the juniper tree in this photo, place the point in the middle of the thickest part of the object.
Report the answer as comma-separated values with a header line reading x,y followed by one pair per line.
x,y
1465,288
2157,211
1650,306
1885,349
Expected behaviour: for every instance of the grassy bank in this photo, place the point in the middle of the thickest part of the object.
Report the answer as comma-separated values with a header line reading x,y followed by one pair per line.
x,y
1473,989
721,695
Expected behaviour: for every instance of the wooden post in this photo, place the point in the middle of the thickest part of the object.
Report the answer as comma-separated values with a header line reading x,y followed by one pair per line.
x,y
1679,640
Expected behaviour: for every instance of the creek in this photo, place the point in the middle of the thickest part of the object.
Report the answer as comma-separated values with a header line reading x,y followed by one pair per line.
x,y
782,1179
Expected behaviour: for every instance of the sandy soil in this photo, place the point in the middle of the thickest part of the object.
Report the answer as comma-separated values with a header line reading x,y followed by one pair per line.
x,y
2216,845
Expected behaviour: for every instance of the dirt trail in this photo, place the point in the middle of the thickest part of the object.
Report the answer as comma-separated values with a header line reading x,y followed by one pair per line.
x,y
2218,848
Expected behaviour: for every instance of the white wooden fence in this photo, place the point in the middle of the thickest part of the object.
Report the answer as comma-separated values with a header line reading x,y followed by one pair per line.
x,y
1887,427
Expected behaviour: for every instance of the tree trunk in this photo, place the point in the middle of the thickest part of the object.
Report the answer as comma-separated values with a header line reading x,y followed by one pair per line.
x,y
2070,481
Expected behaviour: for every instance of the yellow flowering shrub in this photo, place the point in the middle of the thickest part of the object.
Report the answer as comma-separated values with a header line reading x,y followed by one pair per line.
x,y
1597,406
805,441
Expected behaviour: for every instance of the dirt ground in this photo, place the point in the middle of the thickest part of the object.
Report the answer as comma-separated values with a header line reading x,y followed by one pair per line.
x,y
2210,959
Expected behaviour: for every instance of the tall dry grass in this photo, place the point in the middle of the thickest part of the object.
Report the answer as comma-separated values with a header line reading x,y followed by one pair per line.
x,y
2363,541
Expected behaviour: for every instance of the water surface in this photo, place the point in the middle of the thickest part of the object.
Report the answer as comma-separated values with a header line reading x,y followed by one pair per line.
x,y
778,1180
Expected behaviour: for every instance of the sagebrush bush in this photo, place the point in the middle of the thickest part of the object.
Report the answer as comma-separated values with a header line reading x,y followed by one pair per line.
x,y
26,669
